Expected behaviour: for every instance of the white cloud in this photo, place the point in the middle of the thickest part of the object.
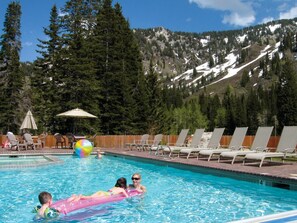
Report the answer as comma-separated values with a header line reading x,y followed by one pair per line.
x,y
292,13
240,13
267,19
238,20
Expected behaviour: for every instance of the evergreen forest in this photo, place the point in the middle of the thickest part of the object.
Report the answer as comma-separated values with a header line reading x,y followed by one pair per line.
x,y
92,59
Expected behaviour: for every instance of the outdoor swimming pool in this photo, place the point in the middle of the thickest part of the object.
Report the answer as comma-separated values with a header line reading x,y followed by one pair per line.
x,y
173,195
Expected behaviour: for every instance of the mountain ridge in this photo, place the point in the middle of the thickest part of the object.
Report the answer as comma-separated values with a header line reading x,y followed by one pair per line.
x,y
195,60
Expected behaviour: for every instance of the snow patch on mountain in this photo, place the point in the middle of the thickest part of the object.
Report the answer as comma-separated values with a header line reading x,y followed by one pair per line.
x,y
229,67
274,27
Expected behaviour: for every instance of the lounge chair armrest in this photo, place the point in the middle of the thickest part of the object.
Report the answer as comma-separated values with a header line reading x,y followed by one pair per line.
x,y
290,151
244,148
262,149
232,148
212,147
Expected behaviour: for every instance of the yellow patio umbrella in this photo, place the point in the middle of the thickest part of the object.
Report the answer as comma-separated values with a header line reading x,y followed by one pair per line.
x,y
29,122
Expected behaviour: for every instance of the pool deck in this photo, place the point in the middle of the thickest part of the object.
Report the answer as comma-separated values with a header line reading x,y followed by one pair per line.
x,y
287,170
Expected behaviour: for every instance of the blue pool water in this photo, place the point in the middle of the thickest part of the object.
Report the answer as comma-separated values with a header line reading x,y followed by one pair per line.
x,y
173,195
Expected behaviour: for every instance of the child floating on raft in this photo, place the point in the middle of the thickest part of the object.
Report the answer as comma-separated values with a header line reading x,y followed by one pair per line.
x,y
119,188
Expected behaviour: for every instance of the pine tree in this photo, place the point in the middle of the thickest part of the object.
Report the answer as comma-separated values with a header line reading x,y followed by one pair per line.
x,y
78,72
287,94
287,42
211,62
229,105
241,111
104,40
11,78
244,78
272,106
213,105
135,95
156,106
194,72
253,107
119,70
172,97
220,119
47,79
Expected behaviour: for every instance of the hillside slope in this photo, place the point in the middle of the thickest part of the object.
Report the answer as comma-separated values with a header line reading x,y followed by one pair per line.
x,y
212,59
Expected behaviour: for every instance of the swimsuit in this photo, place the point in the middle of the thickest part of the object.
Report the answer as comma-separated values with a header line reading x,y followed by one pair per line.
x,y
105,193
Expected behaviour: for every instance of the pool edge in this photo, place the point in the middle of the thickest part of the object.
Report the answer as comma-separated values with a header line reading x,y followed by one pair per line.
x,y
267,180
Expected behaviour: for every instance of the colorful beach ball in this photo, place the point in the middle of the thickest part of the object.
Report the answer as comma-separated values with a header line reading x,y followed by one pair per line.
x,y
83,148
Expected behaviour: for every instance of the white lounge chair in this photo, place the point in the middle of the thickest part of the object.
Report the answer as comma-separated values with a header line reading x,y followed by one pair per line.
x,y
180,142
155,146
29,141
214,142
139,143
14,143
286,147
235,144
196,138
259,144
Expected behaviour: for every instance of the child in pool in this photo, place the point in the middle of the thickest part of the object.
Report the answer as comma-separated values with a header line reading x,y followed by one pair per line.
x,y
99,156
44,210
119,188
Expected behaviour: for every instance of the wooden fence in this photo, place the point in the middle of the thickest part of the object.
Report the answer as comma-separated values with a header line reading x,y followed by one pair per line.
x,y
119,141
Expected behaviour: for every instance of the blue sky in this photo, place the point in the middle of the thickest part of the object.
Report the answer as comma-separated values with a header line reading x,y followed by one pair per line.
x,y
177,15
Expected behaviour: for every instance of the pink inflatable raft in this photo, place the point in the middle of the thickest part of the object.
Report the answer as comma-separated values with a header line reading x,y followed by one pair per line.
x,y
65,207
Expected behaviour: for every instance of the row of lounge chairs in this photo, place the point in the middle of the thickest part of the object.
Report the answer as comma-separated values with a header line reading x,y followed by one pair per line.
x,y
258,151
145,144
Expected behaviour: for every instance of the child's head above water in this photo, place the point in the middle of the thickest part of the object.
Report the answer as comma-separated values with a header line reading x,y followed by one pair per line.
x,y
44,197
121,182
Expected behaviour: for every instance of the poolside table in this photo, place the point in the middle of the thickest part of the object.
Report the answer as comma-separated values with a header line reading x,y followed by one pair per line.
x,y
76,138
